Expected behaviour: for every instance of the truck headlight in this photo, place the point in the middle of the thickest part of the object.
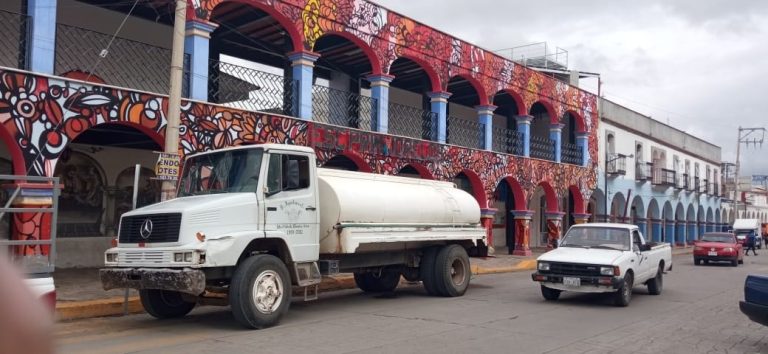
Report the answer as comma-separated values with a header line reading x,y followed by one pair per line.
x,y
188,257
606,270
183,257
178,257
544,266
111,257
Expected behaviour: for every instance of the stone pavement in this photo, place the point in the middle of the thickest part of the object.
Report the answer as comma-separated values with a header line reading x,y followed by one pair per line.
x,y
80,295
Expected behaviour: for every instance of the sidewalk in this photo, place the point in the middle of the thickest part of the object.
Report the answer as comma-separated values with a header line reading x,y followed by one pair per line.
x,y
80,295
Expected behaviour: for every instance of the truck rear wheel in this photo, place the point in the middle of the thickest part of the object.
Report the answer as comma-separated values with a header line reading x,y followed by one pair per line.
x,y
374,282
452,271
164,304
427,270
550,294
260,292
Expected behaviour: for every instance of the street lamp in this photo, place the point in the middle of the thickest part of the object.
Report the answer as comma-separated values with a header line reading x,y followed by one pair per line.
x,y
605,180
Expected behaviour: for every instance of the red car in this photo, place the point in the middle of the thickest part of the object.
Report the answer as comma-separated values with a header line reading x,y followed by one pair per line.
x,y
719,247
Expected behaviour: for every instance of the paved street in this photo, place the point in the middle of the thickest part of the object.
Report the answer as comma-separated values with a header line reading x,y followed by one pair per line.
x,y
697,313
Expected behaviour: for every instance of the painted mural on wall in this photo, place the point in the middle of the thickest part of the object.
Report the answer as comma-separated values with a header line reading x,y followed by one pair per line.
x,y
388,36
81,203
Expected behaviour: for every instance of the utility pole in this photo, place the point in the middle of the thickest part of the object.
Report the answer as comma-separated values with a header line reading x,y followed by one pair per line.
x,y
174,96
745,137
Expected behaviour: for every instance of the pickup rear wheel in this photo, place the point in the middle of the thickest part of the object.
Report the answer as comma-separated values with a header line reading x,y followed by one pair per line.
x,y
377,282
164,304
550,294
452,271
260,292
624,295
656,284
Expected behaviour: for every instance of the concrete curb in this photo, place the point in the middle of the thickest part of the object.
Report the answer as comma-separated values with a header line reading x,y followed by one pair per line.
x,y
74,310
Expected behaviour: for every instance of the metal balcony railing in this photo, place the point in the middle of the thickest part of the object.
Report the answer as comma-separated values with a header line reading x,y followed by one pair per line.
x,y
668,177
716,190
13,42
705,186
508,141
412,122
616,164
686,185
342,108
571,153
250,89
643,171
128,63
696,184
464,132
542,148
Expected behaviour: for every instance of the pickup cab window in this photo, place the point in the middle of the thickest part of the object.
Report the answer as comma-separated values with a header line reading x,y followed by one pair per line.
x,y
597,237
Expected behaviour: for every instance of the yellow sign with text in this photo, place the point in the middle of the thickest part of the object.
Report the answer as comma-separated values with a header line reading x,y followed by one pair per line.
x,y
167,167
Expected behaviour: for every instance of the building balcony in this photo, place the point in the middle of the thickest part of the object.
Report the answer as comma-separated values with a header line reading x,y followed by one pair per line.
x,y
668,177
616,164
543,148
686,182
508,141
704,187
571,153
643,171
464,132
696,185
412,122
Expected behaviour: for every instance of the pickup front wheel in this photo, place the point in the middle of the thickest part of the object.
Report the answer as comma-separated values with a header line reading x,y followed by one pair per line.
x,y
550,294
260,292
624,295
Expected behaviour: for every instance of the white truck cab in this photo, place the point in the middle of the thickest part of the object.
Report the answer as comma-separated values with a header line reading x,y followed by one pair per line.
x,y
250,222
603,258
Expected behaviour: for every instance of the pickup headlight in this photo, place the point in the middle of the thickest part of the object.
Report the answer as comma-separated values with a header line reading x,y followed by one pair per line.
x,y
607,270
544,266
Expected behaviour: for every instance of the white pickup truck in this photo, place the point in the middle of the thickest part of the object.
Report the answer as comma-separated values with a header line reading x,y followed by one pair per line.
x,y
603,258
250,222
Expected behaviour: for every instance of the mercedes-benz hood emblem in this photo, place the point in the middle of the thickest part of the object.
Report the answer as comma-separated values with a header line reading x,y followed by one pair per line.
x,y
146,229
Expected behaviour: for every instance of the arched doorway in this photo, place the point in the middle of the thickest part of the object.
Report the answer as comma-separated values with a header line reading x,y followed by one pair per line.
x,y
148,191
415,171
506,138
596,206
543,201
618,206
508,197
410,108
654,221
542,147
463,128
341,162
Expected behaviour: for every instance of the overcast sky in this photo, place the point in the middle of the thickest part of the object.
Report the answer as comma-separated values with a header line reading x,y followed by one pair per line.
x,y
701,66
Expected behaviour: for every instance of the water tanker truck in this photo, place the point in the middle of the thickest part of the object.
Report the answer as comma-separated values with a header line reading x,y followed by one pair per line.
x,y
252,224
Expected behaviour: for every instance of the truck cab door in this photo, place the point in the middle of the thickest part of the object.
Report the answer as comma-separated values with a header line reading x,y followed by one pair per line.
x,y
641,258
291,205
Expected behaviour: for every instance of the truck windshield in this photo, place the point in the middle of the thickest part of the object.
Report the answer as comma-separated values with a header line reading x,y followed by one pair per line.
x,y
597,237
231,171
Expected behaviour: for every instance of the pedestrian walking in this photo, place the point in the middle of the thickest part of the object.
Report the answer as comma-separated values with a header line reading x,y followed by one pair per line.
x,y
750,243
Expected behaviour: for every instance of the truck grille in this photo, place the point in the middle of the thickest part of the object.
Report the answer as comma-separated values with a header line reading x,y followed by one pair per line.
x,y
590,270
165,228
144,257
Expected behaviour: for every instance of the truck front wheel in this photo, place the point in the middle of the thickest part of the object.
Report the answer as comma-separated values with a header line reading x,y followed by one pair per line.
x,y
452,271
550,294
260,292
164,304
624,295
384,281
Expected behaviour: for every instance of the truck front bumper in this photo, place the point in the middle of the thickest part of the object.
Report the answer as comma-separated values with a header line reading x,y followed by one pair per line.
x,y
185,280
588,284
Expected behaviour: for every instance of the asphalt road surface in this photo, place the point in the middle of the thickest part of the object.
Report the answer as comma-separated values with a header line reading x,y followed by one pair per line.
x,y
696,313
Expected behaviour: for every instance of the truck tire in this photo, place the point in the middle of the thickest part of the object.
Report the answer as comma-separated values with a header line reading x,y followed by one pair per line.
x,y
452,271
164,304
656,284
427,270
372,282
260,292
623,296
550,294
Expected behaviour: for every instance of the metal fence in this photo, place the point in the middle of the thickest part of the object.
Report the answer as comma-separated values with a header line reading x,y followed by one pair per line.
x,y
542,148
250,89
508,141
14,40
128,63
342,108
616,164
412,122
464,132
668,177
571,153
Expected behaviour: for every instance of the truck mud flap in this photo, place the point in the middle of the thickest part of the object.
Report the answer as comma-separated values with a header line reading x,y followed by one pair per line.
x,y
189,281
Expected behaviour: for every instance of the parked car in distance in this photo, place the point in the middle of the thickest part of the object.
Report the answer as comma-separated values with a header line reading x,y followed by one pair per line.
x,y
718,247
755,304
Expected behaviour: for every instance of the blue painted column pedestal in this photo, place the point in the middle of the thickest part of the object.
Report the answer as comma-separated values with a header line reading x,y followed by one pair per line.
x,y
680,237
702,226
439,101
669,232
556,135
692,235
656,230
642,226
485,118
42,36
303,64
524,128
197,36
582,141
710,227
380,92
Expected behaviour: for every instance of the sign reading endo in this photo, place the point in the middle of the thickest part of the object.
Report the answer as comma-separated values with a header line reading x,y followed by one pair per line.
x,y
167,167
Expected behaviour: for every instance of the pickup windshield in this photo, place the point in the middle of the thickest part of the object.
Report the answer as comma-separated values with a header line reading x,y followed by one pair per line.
x,y
597,237
231,171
